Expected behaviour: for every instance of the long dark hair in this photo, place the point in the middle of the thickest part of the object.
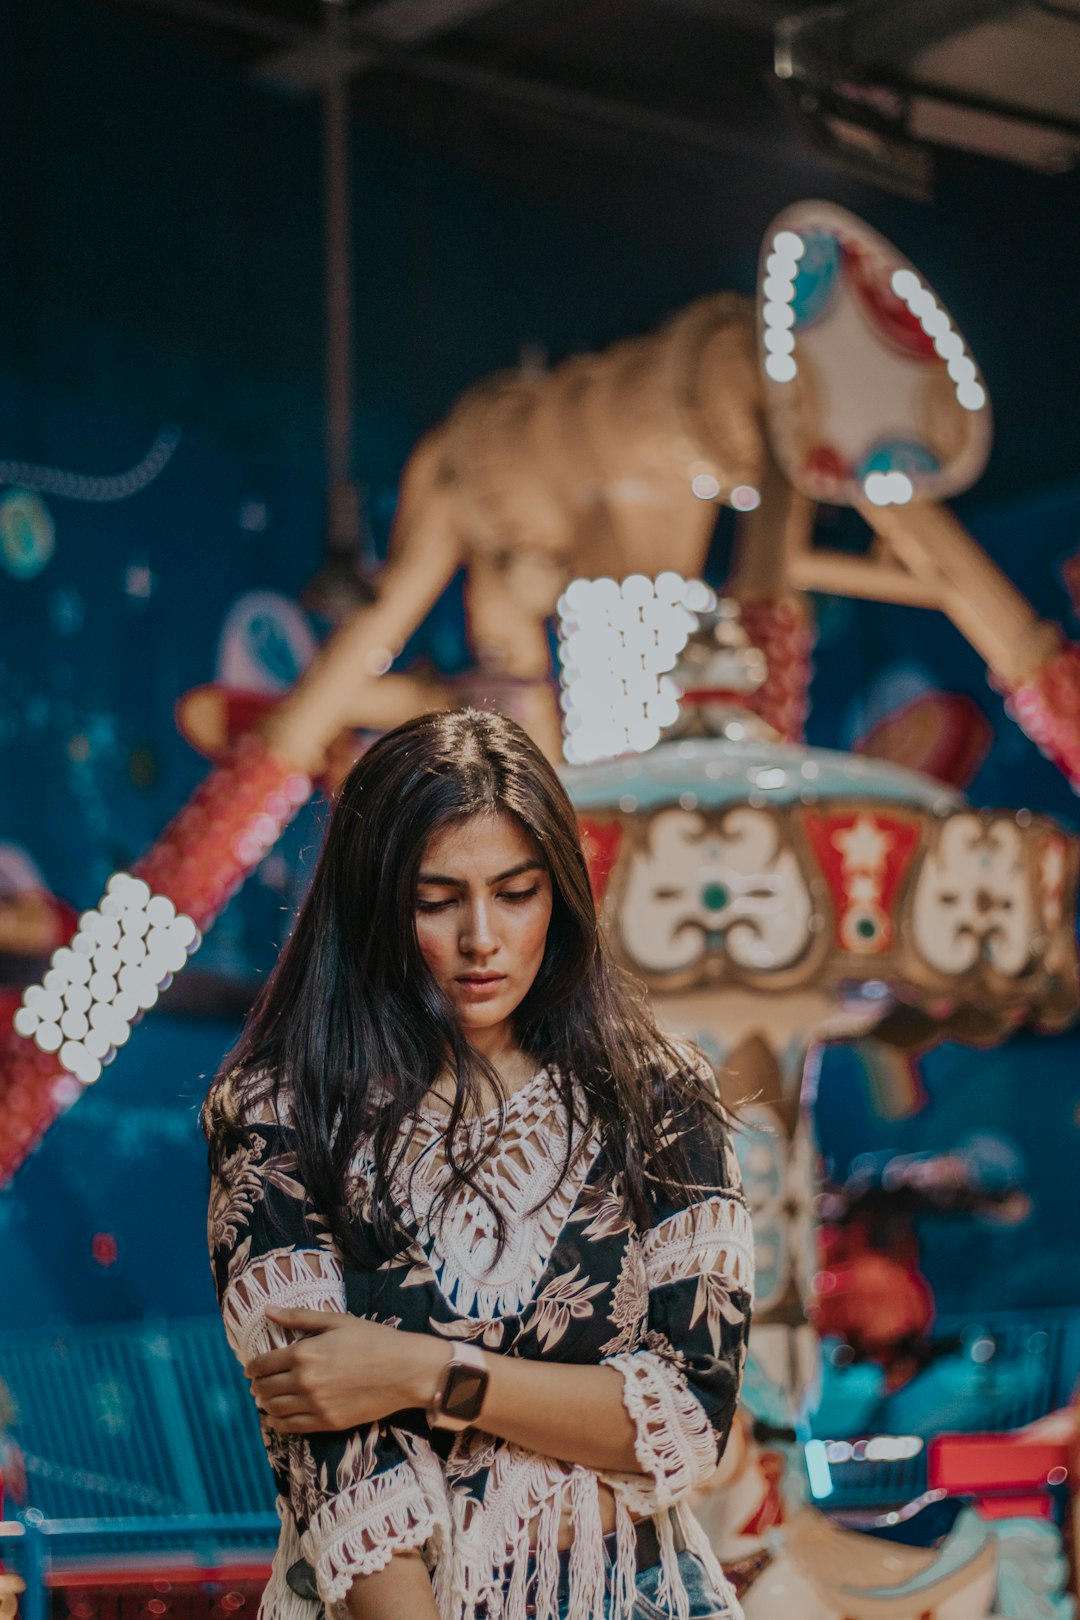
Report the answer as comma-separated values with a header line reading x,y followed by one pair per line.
x,y
351,1030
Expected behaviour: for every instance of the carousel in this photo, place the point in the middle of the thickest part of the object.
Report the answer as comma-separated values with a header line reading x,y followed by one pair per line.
x,y
772,896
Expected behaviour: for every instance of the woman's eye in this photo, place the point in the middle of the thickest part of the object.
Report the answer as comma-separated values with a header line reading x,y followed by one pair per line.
x,y
433,905
518,894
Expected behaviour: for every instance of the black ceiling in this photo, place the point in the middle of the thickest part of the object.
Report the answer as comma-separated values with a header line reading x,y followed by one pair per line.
x,y
669,112
628,103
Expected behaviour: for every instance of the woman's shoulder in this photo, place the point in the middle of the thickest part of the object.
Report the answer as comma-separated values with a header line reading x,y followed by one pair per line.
x,y
695,1121
241,1099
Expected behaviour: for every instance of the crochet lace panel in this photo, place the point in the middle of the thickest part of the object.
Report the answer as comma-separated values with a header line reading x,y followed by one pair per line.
x,y
520,1177
304,1279
713,1237
359,1529
674,1442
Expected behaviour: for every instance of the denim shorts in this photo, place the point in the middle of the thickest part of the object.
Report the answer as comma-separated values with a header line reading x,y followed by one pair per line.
x,y
706,1603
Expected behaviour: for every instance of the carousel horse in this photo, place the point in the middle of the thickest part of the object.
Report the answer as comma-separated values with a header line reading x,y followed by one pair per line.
x,y
790,1560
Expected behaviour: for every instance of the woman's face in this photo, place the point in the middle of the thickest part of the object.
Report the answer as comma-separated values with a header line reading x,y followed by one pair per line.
x,y
483,905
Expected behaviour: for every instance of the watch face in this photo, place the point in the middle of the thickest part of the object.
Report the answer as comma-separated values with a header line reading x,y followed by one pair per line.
x,y
465,1388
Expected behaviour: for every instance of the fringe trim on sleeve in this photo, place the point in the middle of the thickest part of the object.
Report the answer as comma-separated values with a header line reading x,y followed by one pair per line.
x,y
360,1529
279,1601
305,1279
674,1442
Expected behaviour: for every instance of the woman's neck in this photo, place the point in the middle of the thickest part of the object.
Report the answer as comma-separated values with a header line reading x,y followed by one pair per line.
x,y
514,1067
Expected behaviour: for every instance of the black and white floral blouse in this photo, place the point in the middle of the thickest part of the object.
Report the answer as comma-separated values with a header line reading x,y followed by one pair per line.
x,y
577,1282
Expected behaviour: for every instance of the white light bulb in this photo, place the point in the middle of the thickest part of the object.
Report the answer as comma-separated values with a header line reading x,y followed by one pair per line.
x,y
49,1006
106,930
25,1022
146,994
950,345
778,340
936,324
79,968
125,1006
185,931
780,367
778,315
604,594
139,893
103,986
779,289
637,589
131,949
698,597
98,1043
119,887
790,245
49,1037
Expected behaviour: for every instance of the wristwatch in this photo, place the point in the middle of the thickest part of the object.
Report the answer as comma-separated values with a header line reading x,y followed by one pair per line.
x,y
460,1390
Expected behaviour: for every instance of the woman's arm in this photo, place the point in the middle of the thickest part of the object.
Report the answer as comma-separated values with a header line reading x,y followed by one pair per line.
x,y
400,1591
575,1414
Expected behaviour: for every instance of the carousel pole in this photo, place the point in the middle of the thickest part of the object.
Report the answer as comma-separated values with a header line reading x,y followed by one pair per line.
x,y
774,613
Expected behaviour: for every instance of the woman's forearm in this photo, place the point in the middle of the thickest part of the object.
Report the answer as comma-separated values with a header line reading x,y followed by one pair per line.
x,y
399,1591
575,1414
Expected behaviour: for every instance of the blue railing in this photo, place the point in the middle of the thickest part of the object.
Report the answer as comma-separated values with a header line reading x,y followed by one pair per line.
x,y
132,1421
33,1546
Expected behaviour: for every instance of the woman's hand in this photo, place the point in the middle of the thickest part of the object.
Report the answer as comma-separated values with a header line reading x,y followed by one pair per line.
x,y
342,1373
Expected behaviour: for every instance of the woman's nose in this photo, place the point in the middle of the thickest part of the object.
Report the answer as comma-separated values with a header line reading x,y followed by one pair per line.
x,y
478,936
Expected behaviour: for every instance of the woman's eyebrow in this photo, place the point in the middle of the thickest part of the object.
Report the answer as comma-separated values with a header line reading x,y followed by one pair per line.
x,y
458,883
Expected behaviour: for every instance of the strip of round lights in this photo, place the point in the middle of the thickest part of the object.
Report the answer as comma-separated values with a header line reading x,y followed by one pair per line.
x,y
617,643
124,952
778,313
935,322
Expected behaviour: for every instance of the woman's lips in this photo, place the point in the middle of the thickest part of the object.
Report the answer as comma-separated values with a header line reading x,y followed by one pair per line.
x,y
482,986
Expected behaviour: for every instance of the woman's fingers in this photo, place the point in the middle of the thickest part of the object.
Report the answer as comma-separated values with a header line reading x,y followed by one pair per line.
x,y
284,1406
271,1361
283,1383
306,1321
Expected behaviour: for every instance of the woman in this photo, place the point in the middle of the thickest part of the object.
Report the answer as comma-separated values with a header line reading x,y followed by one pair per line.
x,y
475,1223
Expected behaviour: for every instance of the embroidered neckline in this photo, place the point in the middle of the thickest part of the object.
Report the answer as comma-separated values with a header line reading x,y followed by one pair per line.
x,y
542,1076
520,1175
